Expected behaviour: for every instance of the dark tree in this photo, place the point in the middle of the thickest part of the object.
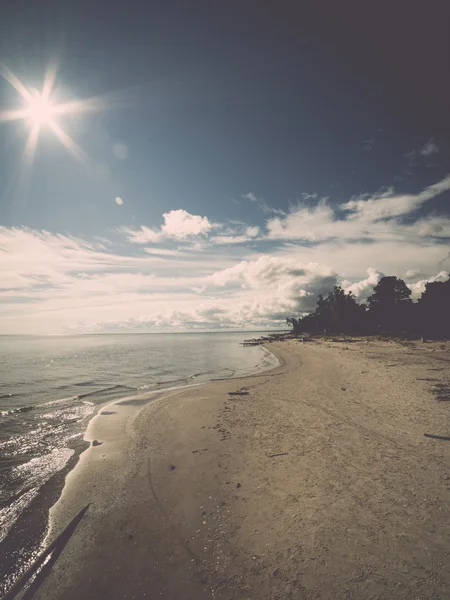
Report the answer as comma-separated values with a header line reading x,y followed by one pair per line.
x,y
309,323
390,306
294,323
389,310
433,309
339,312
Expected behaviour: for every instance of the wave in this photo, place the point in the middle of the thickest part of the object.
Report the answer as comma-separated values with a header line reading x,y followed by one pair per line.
x,y
20,409
9,396
107,391
9,514
204,373
58,401
146,386
102,393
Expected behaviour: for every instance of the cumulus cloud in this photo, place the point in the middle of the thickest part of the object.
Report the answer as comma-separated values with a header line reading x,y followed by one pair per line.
x,y
418,287
178,224
181,224
195,230
411,274
276,287
364,288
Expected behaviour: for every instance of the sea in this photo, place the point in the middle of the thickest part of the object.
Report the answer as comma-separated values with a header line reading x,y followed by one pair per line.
x,y
50,385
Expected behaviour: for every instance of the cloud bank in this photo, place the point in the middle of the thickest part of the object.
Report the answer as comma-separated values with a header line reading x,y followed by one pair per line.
x,y
193,273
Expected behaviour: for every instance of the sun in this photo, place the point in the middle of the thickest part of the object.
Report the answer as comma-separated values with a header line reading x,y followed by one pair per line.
x,y
40,110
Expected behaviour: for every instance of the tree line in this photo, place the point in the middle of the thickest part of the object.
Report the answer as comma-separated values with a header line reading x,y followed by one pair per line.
x,y
388,311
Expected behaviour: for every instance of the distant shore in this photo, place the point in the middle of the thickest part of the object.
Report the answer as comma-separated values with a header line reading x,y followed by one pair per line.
x,y
312,480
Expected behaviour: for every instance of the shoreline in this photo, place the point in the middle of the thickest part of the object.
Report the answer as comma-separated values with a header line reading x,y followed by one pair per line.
x,y
311,480
143,401
93,463
34,525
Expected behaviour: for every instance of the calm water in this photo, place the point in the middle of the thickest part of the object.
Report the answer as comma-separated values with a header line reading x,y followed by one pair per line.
x,y
49,385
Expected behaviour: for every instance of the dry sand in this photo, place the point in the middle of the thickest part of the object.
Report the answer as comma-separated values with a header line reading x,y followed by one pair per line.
x,y
188,503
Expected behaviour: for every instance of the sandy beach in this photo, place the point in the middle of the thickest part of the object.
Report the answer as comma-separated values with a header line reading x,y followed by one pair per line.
x,y
315,480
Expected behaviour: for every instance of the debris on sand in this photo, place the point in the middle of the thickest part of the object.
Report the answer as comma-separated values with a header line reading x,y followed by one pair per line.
x,y
437,437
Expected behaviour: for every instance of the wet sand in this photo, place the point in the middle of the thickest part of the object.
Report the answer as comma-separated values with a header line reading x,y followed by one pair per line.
x,y
316,482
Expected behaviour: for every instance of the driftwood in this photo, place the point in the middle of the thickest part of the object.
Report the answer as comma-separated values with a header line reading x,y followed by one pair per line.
x,y
437,437
279,454
238,393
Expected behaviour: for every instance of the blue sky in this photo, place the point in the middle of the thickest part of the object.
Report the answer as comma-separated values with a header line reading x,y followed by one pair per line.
x,y
238,162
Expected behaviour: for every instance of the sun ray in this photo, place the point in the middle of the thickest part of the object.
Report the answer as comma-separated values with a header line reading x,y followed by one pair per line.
x,y
16,83
13,115
49,83
68,143
30,146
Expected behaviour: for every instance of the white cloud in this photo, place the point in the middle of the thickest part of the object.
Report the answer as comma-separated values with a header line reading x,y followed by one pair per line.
x,y
418,287
364,288
252,232
303,223
143,235
223,240
373,217
411,274
276,287
178,224
119,201
239,234
165,252
429,148
52,283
